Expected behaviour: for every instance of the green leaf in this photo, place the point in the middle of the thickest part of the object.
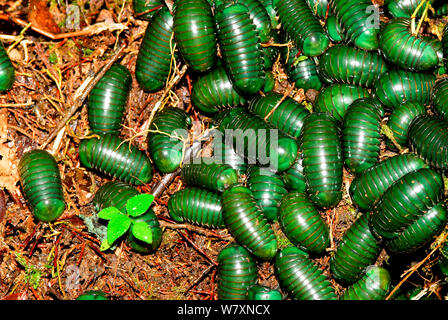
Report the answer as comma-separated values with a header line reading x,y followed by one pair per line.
x,y
108,213
117,227
105,245
142,231
139,204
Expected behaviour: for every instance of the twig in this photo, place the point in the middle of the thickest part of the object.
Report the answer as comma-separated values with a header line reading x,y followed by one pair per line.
x,y
202,277
199,230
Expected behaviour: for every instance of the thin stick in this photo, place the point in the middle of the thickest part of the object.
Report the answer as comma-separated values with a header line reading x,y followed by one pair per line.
x,y
189,227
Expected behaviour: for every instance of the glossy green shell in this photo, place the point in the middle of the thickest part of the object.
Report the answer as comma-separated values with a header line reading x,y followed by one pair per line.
x,y
154,57
440,98
302,26
428,137
204,173
403,8
145,9
334,30
320,8
237,271
345,64
283,113
405,50
268,189
420,232
240,48
196,206
42,185
166,147
293,177
443,259
7,72
405,201
375,285
108,99
116,158
301,277
357,250
272,13
270,52
322,159
302,223
225,154
361,134
252,139
398,86
336,99
257,292
247,223
194,31
269,82
93,295
355,18
368,187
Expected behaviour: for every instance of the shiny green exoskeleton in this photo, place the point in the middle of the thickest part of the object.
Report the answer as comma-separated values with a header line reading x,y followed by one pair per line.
x,y
400,119
301,277
405,50
116,158
269,82
214,91
7,72
334,30
336,99
116,194
420,232
225,154
322,161
320,8
361,134
145,9
404,202
398,86
240,47
196,206
345,64
442,10
257,292
204,173
154,58
368,187
302,26
252,138
356,19
283,113
443,259
428,137
404,8
108,99
272,13
268,189
375,285
270,54
194,31
440,98
302,223
168,132
247,223
293,177
237,271
42,185
93,295
357,250
445,44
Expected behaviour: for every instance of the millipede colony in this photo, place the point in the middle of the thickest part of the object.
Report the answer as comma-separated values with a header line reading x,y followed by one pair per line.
x,y
375,83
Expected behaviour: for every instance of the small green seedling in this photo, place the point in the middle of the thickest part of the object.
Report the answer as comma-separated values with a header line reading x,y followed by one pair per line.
x,y
120,223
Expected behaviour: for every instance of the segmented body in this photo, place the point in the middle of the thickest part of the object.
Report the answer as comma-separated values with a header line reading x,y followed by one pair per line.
x,y
225,154
7,72
145,9
257,292
334,30
320,8
404,8
440,98
375,285
293,177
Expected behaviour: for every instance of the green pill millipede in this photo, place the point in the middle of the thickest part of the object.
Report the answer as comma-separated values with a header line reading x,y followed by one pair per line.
x,y
405,50
237,271
272,13
93,295
361,134
115,158
302,26
268,189
257,292
168,131
334,30
42,185
440,98
204,173
225,154
194,31
375,285
283,113
320,8
145,9
108,99
154,56
404,202
345,64
301,277
428,137
322,159
357,250
240,47
302,223
335,99
369,186
293,177
443,259
398,86
404,8
247,223
7,72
